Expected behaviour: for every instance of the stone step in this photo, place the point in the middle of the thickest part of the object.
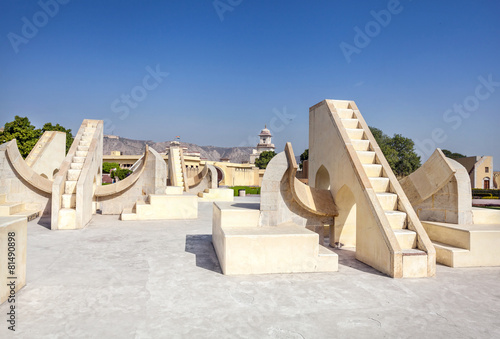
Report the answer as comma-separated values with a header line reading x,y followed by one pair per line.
x,y
128,215
28,214
447,254
82,148
174,190
81,153
361,145
139,204
407,239
70,187
67,219
367,157
380,184
79,159
414,251
355,133
328,261
350,123
9,208
3,197
68,200
450,234
389,201
76,165
397,219
84,142
73,174
373,170
414,264
345,113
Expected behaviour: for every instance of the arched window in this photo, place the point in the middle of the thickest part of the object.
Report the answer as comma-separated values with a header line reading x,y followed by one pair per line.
x,y
322,178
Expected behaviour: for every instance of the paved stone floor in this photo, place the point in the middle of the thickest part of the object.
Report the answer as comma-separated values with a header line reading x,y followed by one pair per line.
x,y
161,279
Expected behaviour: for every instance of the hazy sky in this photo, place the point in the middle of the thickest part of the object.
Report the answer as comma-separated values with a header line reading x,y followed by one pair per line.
x,y
214,72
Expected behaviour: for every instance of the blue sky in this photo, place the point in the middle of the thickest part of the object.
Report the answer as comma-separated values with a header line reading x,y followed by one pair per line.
x,y
234,68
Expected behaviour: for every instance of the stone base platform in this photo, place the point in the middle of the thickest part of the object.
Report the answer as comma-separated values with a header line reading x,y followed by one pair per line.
x,y
163,207
485,216
465,245
18,229
242,247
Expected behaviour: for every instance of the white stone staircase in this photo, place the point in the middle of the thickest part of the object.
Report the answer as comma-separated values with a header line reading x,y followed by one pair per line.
x,y
381,184
30,211
177,170
67,213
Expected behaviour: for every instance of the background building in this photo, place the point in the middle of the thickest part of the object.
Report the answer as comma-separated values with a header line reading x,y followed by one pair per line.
x,y
480,171
264,144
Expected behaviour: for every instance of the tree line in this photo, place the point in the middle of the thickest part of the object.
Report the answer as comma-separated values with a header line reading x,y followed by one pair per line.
x,y
27,135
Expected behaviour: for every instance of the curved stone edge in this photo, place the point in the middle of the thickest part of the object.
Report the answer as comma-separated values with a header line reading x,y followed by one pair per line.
x,y
25,171
107,190
197,179
429,179
317,201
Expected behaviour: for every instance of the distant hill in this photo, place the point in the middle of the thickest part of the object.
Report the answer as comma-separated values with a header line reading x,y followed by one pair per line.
x,y
134,147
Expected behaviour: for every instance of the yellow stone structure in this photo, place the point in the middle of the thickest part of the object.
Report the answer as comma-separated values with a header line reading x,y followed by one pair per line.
x,y
352,190
463,236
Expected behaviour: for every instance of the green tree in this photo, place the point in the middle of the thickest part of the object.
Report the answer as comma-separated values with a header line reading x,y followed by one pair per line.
x,y
69,137
399,152
452,155
303,157
407,160
23,131
108,166
264,159
120,173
